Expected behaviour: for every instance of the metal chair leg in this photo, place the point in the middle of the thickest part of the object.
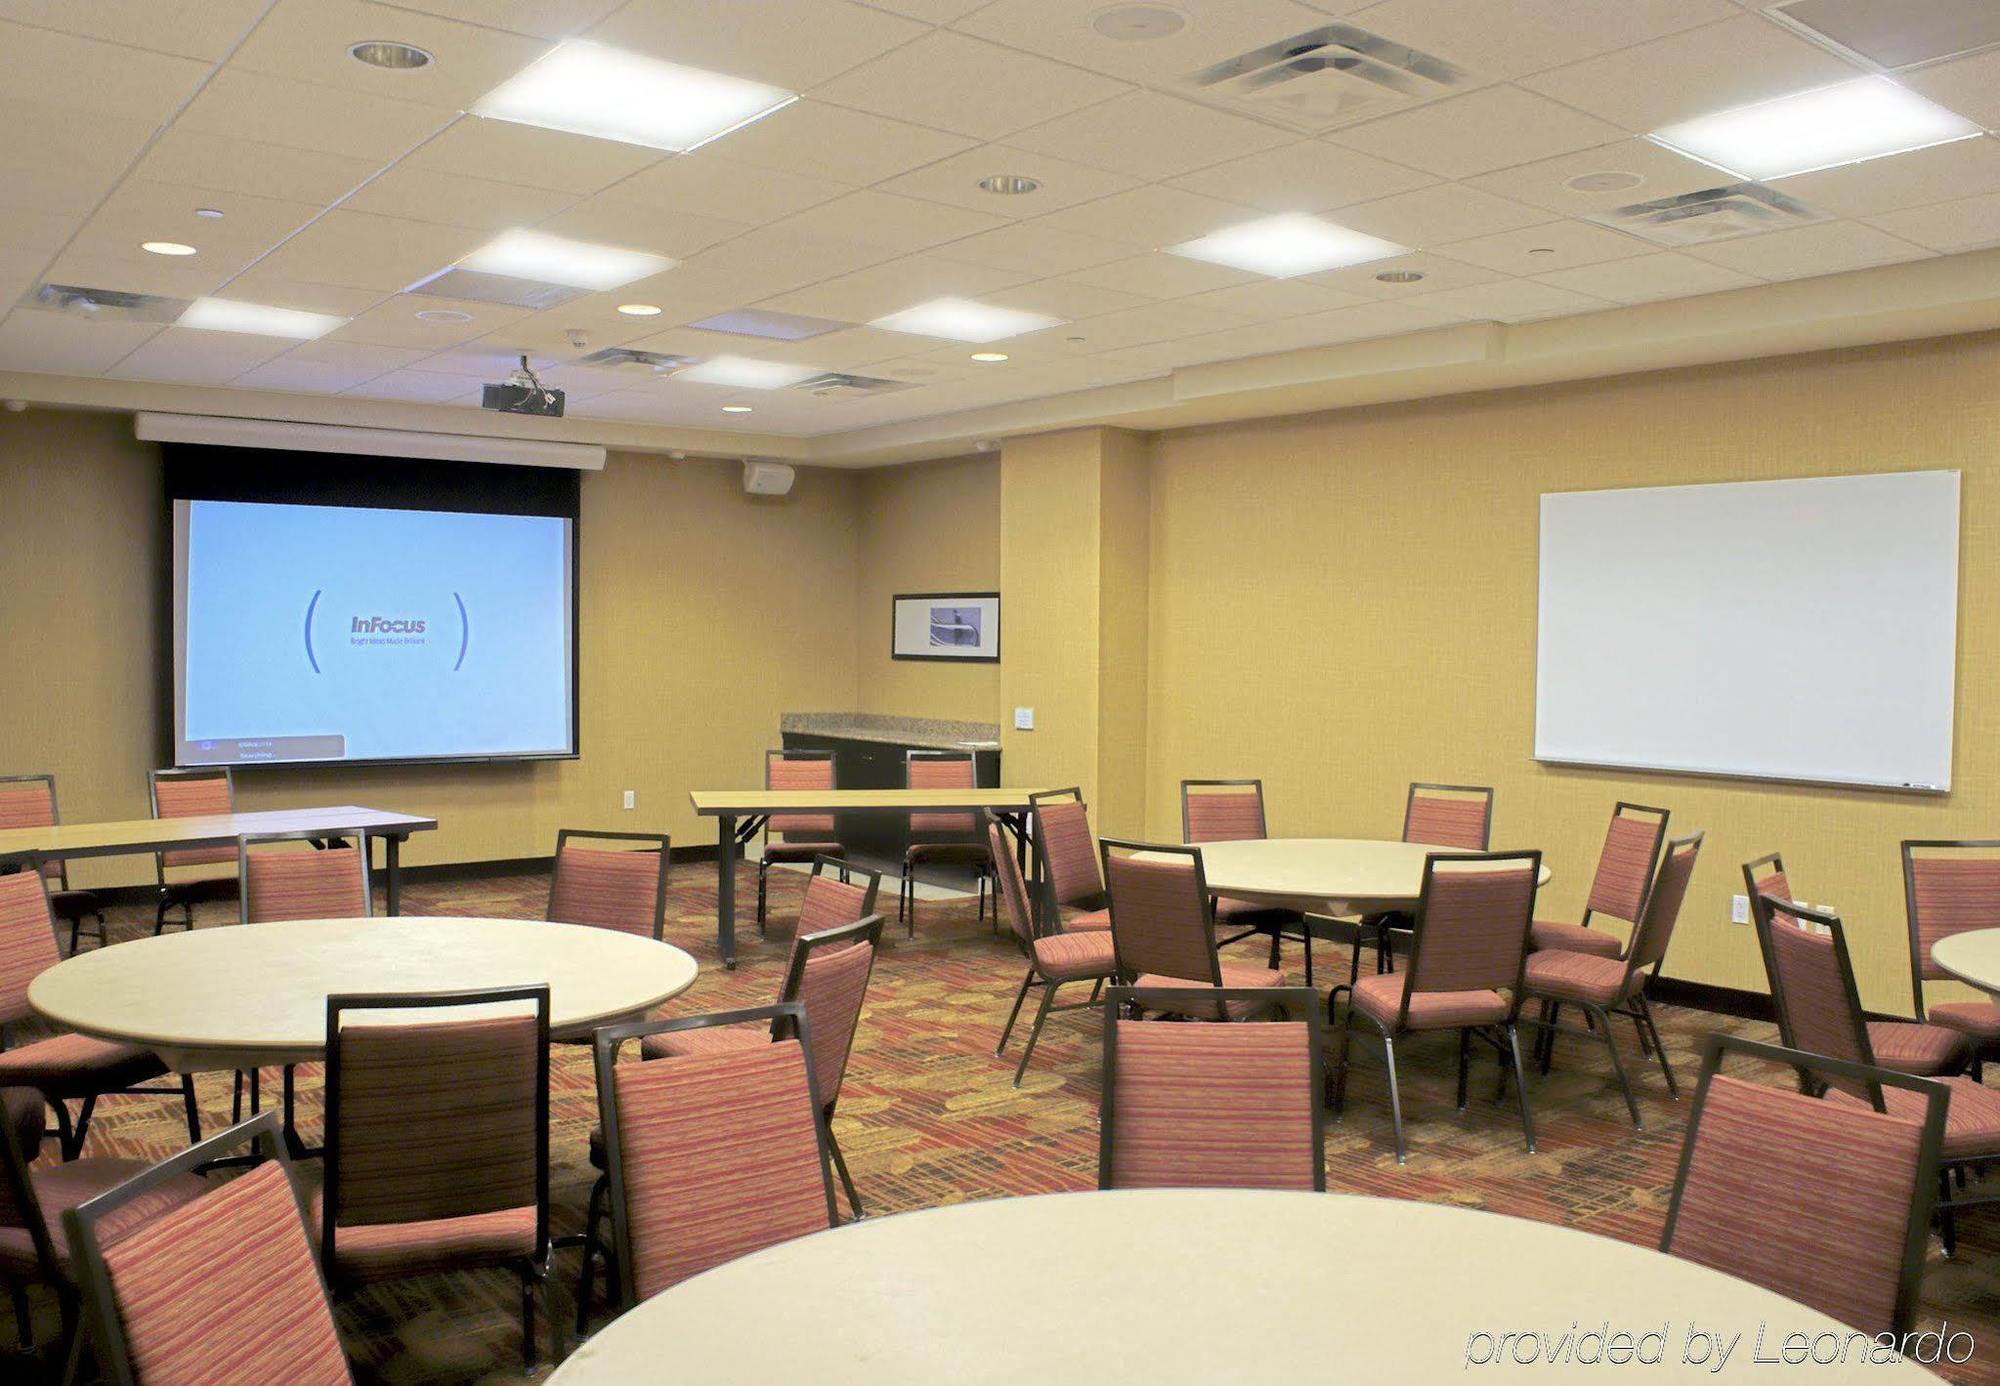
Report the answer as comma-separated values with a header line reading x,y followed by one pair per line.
x,y
1947,1224
1015,1014
1554,1014
1395,1097
528,1283
1340,1060
1659,1048
1464,1058
840,1168
193,1109
1521,1081
1603,1024
1041,1017
73,1145
763,897
594,1211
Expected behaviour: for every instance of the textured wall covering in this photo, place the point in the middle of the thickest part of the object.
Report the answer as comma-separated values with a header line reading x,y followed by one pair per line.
x,y
1124,551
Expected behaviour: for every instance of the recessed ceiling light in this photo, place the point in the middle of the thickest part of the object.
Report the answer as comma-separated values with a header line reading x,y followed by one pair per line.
x,y
640,310
212,213
962,320
1605,180
1288,245
989,356
610,94
166,248
735,408
1846,123
442,315
558,260
396,57
234,315
1136,23
1399,276
1008,184
748,373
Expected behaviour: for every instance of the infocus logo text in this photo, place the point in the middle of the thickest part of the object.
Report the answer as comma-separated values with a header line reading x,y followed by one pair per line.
x,y
385,625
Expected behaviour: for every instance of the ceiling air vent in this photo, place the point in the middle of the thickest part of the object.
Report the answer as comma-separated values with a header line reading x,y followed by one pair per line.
x,y
1325,77
633,360
1906,33
840,385
108,305
1714,214
481,287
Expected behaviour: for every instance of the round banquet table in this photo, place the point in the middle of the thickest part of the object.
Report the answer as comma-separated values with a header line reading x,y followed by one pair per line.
x,y
244,995
1321,875
1972,957
1194,1286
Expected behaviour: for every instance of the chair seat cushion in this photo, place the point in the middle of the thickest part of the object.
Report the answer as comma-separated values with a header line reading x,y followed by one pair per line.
x,y
800,851
1925,1050
62,1187
710,1039
1250,914
1233,975
390,1250
1971,1116
1577,939
1380,997
1082,921
1979,1019
963,853
1566,976
74,904
77,1066
1070,957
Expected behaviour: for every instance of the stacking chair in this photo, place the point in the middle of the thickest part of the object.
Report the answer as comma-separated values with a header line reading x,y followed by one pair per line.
x,y
619,888
1054,959
188,877
284,876
1469,943
437,1140
67,1067
711,1156
1919,1047
29,801
1819,1011
1948,888
794,836
1211,1106
1828,1204
1163,936
1434,815
949,838
1233,811
1604,987
218,1285
1618,890
1072,880
33,1251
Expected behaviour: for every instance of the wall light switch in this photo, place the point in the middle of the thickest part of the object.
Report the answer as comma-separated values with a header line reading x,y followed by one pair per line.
x,y
1024,719
631,798
1739,909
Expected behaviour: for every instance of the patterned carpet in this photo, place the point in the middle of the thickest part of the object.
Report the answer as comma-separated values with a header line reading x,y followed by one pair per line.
x,y
929,1116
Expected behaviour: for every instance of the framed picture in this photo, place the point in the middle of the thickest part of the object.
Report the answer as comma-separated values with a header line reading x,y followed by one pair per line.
x,y
962,626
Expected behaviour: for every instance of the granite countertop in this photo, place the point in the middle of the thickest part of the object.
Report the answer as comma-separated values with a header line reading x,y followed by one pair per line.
x,y
930,733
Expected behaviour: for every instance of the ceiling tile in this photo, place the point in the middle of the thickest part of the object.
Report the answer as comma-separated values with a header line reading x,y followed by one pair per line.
x,y
1268,300
1970,86
1372,320
1477,133
1510,300
842,350
956,180
1216,29
1964,224
899,224
300,115
139,273
1149,135
48,68
188,357
307,41
610,220
58,344
141,209
32,234
930,11
872,293
967,86
548,19
1153,217
1648,278
199,159
395,323
357,250
422,387
1159,275
259,285
794,44
772,260
511,153
1310,176
729,190
1155,322
1545,183
204,29
304,377
1964,168
429,194
824,141
1520,36
1435,215
1067,299
335,351
63,161
1438,271
1537,250
1831,247
1034,248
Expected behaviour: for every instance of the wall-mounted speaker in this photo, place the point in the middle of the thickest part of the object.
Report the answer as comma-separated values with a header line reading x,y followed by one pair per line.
x,y
767,478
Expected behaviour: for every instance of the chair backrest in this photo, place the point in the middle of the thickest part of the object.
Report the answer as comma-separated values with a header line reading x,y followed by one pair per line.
x,y
837,893
1948,887
1625,862
222,1287
1472,920
828,975
1812,984
27,941
1210,1105
1825,1203
1222,810
711,1156
431,1117
941,770
1764,879
22,1124
1663,904
620,888
806,770
1161,922
1449,815
1070,869
284,876
29,801
198,792
1013,890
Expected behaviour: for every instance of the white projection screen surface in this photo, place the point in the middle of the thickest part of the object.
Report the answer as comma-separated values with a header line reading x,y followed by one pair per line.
x,y
1789,630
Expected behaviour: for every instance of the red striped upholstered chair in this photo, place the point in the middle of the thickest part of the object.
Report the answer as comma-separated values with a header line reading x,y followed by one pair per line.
x,y
29,801
1849,1239
1949,887
1233,811
1434,815
192,875
1054,959
621,888
437,1140
712,1156
795,836
64,1068
951,838
1468,951
1162,933
1819,1011
219,1285
1211,1106
286,876
1604,987
1618,890
1920,1047
1066,852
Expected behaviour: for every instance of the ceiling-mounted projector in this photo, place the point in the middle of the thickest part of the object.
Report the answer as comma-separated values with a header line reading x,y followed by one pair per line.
x,y
523,393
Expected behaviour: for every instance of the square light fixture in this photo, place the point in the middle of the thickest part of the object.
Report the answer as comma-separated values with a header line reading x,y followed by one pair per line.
x,y
963,320
1846,123
234,315
747,373
1288,245
611,94
557,260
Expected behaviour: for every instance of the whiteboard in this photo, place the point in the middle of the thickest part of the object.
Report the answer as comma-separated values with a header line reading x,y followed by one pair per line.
x,y
1792,630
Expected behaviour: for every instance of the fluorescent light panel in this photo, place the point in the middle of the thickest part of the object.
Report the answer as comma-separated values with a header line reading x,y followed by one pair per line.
x,y
557,260
234,315
1867,118
611,94
747,373
1288,245
963,320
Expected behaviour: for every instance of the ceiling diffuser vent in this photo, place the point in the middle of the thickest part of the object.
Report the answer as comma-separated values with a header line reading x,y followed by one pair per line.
x,y
840,385
1906,33
635,361
1714,214
481,287
108,305
1325,77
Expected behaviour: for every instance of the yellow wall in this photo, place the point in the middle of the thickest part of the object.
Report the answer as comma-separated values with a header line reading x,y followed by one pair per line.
x,y
1346,602
929,527
1124,574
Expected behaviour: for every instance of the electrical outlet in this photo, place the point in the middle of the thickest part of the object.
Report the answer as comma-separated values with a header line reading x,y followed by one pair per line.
x,y
1739,909
1024,719
631,798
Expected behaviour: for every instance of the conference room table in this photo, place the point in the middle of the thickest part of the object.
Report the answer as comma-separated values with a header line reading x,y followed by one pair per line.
x,y
1191,1287
741,814
1323,875
1973,957
73,841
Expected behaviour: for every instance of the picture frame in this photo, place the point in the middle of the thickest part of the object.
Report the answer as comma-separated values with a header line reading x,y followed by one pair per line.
x,y
947,627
